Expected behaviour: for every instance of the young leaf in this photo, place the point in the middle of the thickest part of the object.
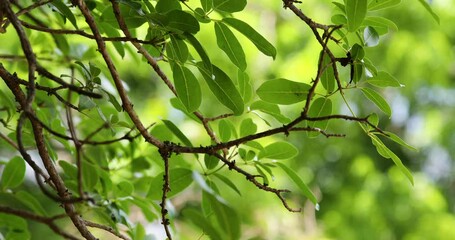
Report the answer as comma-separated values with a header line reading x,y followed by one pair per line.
x,y
187,87
320,107
356,11
202,222
283,91
200,50
384,79
370,36
229,5
278,150
387,153
227,42
381,4
176,131
428,8
257,39
223,88
297,180
377,99
13,174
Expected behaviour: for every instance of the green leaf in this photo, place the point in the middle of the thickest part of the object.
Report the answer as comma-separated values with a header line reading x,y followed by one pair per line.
x,y
210,161
65,11
13,174
89,175
85,103
62,43
179,180
202,222
110,31
206,5
247,127
187,87
182,21
68,168
227,218
356,11
358,72
297,180
319,108
377,99
384,79
328,76
228,182
31,202
370,36
229,5
381,4
283,91
227,42
244,86
271,109
357,52
278,150
427,6
375,21
256,38
176,131
113,101
387,153
398,140
124,189
224,89
177,50
164,6
339,19
131,17
200,50
224,130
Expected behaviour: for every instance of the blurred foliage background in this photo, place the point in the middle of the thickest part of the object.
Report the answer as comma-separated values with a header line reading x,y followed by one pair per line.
x,y
363,196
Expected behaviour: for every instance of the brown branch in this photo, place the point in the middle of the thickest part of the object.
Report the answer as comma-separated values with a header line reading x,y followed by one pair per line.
x,y
252,178
126,103
84,34
107,229
44,72
165,153
49,221
26,105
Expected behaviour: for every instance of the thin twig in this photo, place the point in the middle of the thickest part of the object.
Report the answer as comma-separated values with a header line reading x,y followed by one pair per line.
x,y
107,229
